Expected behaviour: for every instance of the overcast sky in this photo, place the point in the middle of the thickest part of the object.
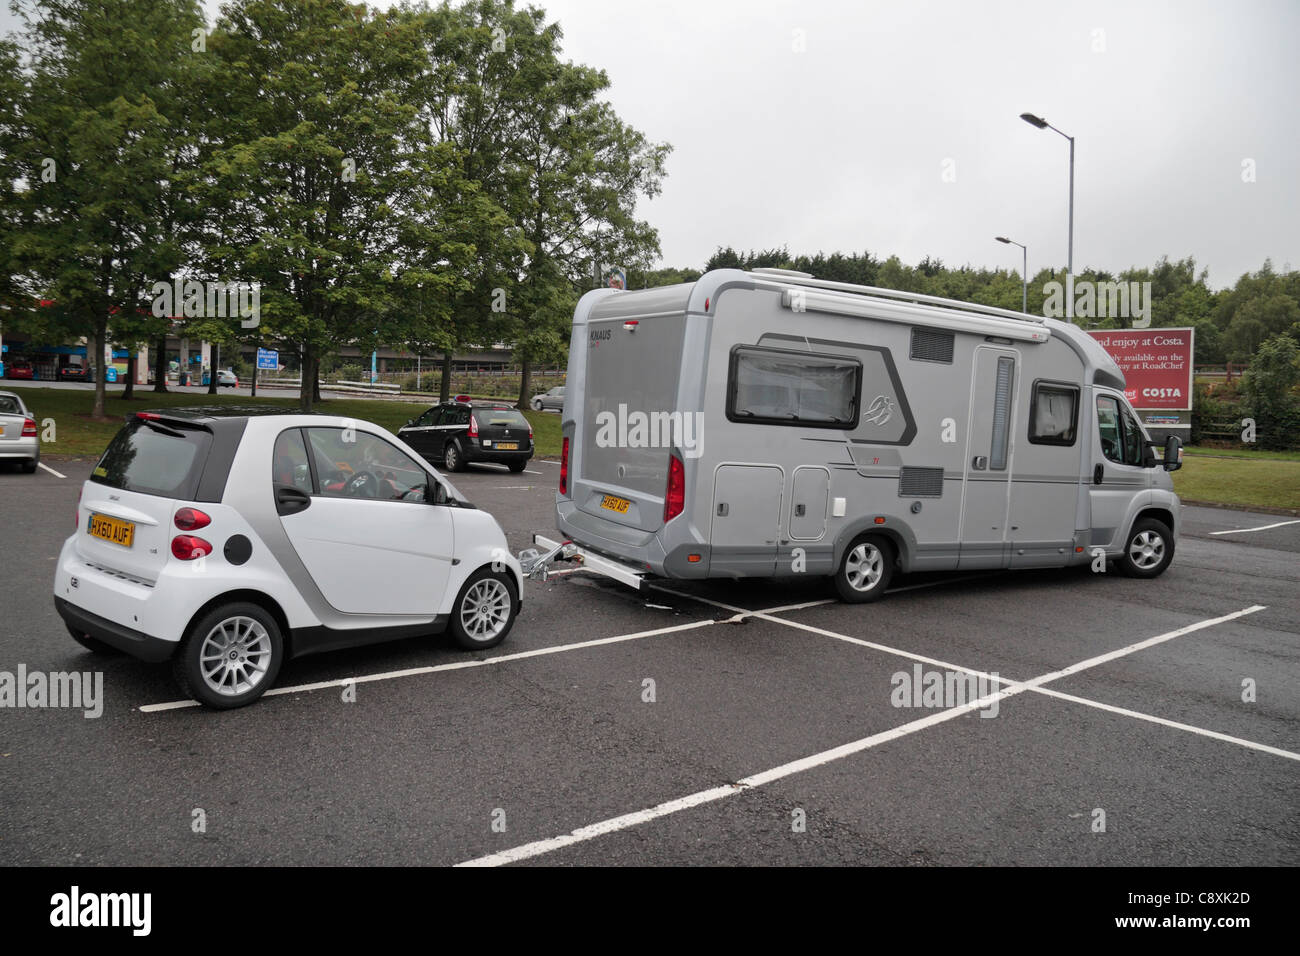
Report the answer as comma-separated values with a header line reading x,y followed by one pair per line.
x,y
830,124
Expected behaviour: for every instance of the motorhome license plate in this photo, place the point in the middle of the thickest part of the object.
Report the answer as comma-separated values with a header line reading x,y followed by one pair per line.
x,y
508,445
112,529
614,503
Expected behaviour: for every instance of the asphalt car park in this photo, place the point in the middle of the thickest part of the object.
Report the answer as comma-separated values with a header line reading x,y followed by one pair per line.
x,y
745,722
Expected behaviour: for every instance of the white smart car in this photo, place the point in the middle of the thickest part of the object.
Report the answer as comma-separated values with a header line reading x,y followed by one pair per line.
x,y
229,540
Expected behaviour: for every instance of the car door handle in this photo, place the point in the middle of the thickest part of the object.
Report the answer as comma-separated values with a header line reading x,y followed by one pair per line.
x,y
1098,473
722,509
290,500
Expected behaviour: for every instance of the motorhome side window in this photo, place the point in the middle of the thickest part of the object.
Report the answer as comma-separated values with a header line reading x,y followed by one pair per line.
x,y
1121,438
1053,414
774,386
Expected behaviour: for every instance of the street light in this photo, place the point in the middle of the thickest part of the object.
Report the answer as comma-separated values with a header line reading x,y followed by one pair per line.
x,y
1040,123
1024,272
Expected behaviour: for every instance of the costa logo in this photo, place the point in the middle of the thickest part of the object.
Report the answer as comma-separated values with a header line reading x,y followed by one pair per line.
x,y
1162,393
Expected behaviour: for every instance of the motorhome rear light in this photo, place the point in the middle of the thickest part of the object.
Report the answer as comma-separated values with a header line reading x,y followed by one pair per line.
x,y
880,521
564,467
706,305
675,494
693,558
187,547
473,426
630,325
29,428
1078,550
76,515
191,519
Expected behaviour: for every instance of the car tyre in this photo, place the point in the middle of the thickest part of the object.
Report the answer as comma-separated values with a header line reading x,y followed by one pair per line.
x,y
537,405
1148,550
453,459
516,466
29,467
485,610
865,569
92,644
230,657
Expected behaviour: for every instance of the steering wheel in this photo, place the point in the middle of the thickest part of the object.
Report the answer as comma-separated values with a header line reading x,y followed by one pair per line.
x,y
362,484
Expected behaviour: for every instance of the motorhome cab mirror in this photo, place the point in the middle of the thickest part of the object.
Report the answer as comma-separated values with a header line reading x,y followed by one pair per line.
x,y
1173,453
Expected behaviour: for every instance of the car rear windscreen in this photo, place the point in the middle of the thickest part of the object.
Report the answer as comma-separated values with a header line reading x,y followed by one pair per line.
x,y
508,417
9,406
155,459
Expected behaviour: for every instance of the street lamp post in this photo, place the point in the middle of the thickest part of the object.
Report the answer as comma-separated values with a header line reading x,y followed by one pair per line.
x,y
1024,272
1040,123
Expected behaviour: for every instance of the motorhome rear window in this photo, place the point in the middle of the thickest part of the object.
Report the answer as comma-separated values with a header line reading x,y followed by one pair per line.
x,y
780,387
1053,414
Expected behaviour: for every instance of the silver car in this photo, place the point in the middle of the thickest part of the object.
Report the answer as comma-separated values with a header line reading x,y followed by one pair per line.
x,y
552,401
18,439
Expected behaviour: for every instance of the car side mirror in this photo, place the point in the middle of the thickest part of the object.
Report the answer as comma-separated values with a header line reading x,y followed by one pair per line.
x,y
410,421
437,493
1173,453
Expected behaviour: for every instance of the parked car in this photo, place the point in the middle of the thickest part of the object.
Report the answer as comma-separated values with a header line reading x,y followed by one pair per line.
x,y
18,439
227,379
551,401
460,432
75,372
312,533
20,369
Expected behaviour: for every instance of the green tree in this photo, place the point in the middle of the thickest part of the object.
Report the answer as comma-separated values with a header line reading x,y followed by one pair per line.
x,y
1269,388
93,154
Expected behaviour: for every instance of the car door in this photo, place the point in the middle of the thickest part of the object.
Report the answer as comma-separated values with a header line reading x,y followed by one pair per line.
x,y
418,434
369,539
1118,472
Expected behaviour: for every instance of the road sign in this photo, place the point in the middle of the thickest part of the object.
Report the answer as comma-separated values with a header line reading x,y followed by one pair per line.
x,y
267,359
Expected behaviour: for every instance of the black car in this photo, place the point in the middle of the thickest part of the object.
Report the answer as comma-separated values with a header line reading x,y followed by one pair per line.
x,y
73,372
456,433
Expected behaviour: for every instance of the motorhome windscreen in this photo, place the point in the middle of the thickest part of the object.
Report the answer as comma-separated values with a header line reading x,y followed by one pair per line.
x,y
793,388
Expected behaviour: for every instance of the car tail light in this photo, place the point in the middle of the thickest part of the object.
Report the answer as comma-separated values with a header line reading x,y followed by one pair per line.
x,y
187,547
191,519
564,467
473,426
29,428
148,416
675,495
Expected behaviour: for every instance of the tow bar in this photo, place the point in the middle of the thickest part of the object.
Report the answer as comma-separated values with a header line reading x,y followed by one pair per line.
x,y
534,563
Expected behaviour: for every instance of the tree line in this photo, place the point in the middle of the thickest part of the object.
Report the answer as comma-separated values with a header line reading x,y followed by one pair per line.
x,y
426,178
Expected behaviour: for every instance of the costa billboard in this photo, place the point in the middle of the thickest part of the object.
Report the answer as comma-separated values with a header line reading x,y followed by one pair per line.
x,y
1157,365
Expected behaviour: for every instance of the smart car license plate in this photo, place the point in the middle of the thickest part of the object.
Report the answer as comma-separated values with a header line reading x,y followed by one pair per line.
x,y
615,504
508,445
112,529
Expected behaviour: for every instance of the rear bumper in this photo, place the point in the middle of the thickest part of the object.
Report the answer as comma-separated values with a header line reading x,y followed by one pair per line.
x,y
154,650
27,449
474,451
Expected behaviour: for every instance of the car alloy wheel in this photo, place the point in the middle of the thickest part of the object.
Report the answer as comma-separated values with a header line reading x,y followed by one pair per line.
x,y
485,609
234,656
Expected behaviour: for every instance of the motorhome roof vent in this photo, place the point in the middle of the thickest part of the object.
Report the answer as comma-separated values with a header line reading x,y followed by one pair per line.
x,y
931,346
914,482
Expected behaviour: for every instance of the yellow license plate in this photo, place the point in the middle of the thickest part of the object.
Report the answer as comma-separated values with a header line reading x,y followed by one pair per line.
x,y
508,445
112,529
615,504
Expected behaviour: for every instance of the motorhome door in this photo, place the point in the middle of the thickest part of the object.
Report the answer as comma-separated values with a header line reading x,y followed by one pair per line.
x,y
989,442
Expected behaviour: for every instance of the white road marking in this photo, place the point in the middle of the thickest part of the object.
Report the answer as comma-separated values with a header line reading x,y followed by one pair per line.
x,y
56,474
1138,715
1260,528
540,847
528,472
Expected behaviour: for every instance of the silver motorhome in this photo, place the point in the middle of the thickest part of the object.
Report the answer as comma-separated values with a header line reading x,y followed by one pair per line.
x,y
767,423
